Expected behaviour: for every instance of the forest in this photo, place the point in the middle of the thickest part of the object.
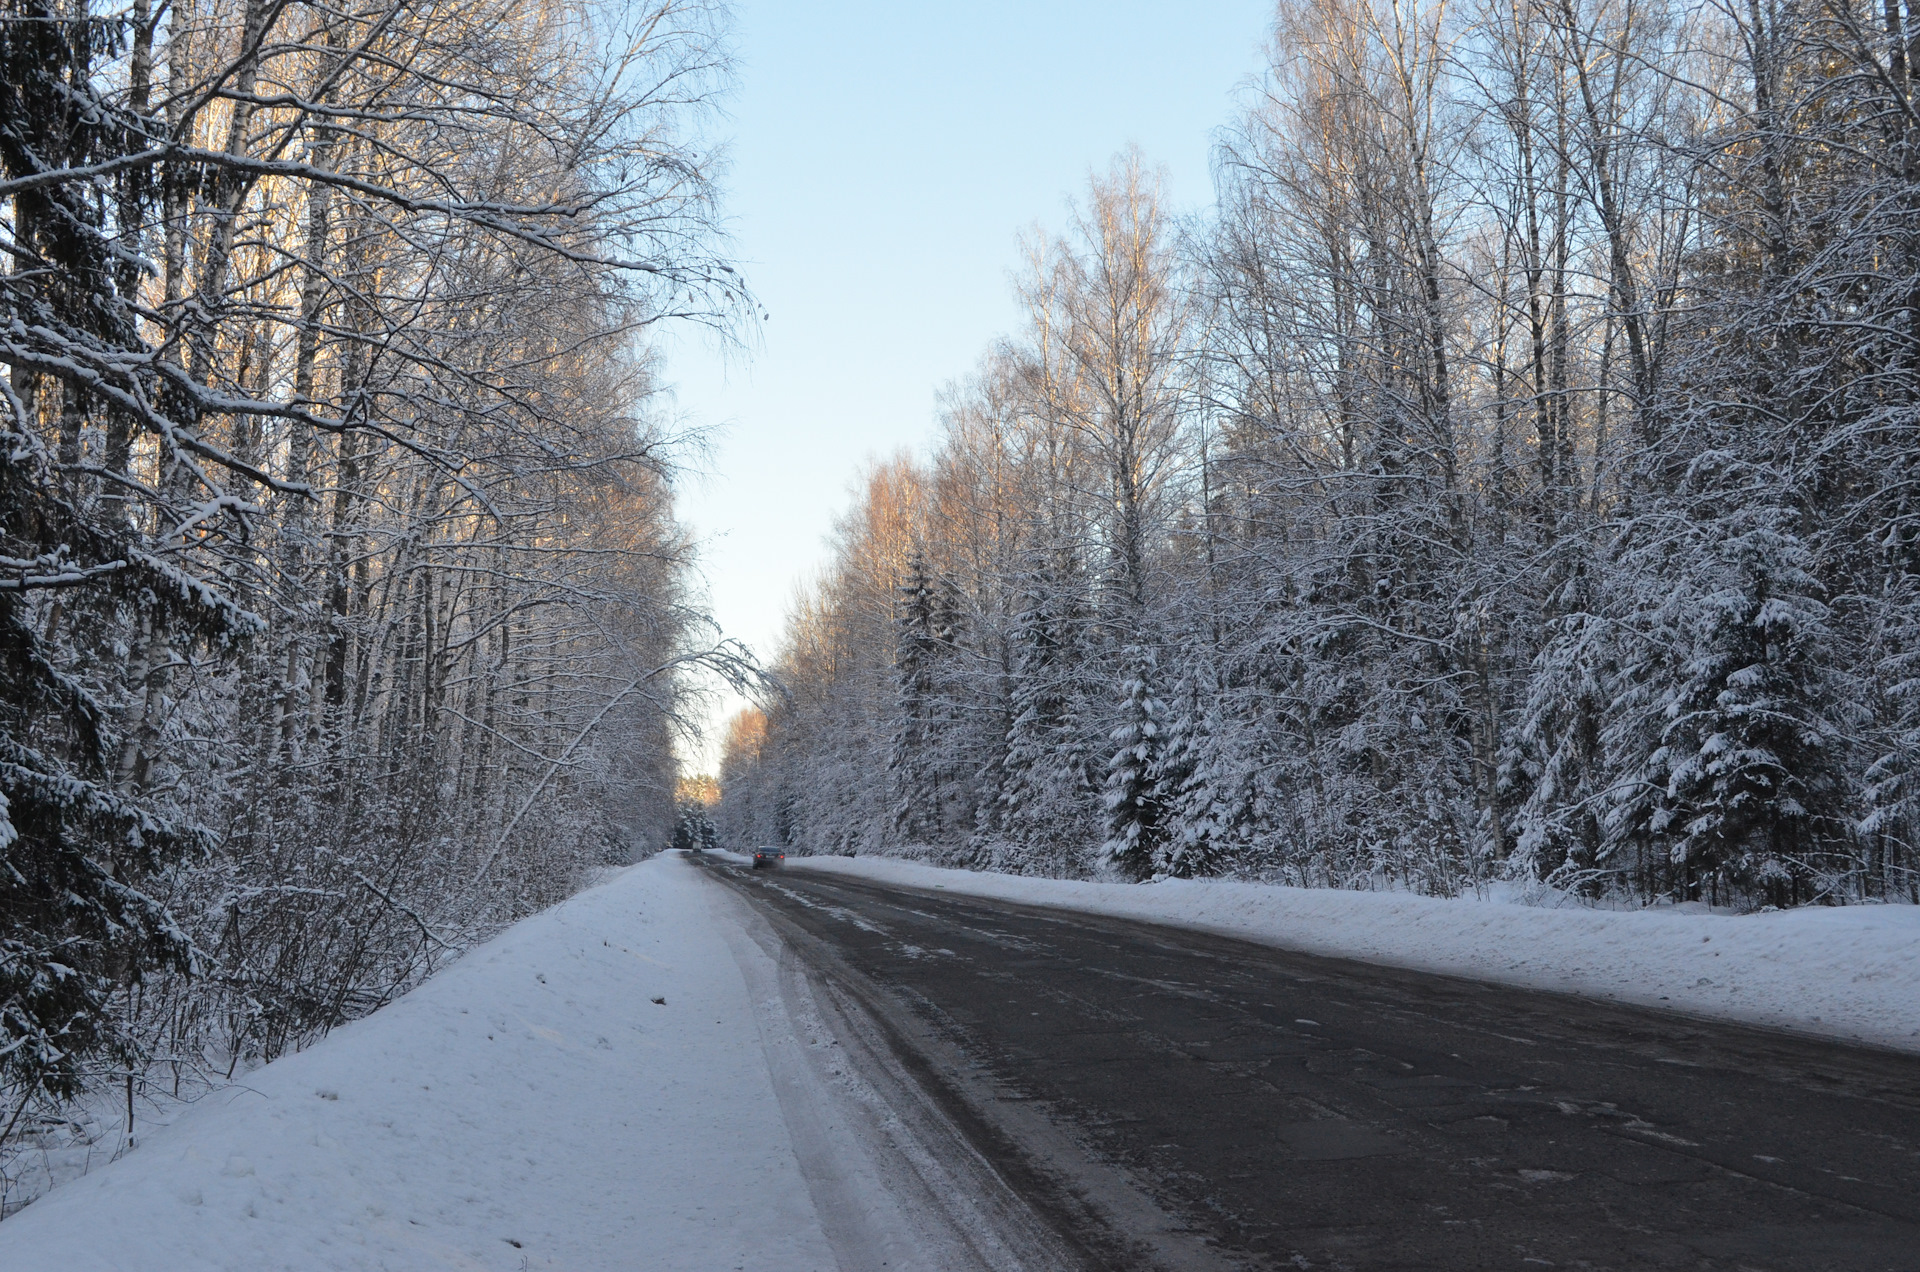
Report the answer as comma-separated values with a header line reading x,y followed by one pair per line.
x,y
1511,480
344,616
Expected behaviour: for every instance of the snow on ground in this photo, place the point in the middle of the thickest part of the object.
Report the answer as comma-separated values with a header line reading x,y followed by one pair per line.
x,y
535,1105
1850,972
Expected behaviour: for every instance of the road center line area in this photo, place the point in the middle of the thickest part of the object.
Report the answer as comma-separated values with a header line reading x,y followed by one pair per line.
x,y
1119,1094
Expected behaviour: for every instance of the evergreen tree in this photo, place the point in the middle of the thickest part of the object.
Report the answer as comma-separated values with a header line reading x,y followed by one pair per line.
x,y
916,646
78,850
1553,769
76,920
1048,794
1198,827
1135,796
1742,788
693,828
1036,705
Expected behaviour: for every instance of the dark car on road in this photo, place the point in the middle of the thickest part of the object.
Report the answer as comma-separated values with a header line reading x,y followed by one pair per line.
x,y
768,857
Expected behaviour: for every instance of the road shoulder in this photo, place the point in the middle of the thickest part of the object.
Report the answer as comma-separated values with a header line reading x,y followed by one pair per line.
x,y
587,1091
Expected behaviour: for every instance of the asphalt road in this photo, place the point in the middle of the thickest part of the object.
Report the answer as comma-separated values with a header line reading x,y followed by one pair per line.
x,y
1303,1112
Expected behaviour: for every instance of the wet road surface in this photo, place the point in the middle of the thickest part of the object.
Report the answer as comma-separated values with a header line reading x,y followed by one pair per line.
x,y
1304,1112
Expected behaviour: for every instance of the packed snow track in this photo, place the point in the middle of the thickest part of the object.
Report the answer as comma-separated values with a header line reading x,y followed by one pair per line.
x,y
1168,1098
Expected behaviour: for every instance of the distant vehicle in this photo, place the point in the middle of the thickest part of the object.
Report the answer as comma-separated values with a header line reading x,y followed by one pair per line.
x,y
768,857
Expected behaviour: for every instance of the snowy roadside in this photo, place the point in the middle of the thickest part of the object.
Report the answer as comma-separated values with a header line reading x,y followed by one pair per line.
x,y
587,1091
1850,972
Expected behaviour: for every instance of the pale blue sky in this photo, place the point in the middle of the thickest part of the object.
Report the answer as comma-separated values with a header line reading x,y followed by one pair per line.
x,y
886,158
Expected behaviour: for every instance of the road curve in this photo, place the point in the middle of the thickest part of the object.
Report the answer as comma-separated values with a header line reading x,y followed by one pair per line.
x,y
1292,1111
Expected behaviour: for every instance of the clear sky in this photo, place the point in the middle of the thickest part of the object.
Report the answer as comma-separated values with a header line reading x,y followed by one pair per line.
x,y
885,159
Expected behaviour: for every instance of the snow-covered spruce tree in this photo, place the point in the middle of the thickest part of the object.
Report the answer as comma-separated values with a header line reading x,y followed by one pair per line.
x,y
915,801
1552,764
958,744
1890,828
78,849
1135,798
1049,795
693,828
1036,709
78,922
1742,790
1199,799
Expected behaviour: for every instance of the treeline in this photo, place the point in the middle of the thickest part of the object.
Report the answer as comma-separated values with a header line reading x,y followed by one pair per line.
x,y
1514,477
341,598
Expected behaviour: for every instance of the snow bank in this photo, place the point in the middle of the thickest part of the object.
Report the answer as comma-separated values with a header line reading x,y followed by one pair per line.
x,y
536,1105
1848,972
